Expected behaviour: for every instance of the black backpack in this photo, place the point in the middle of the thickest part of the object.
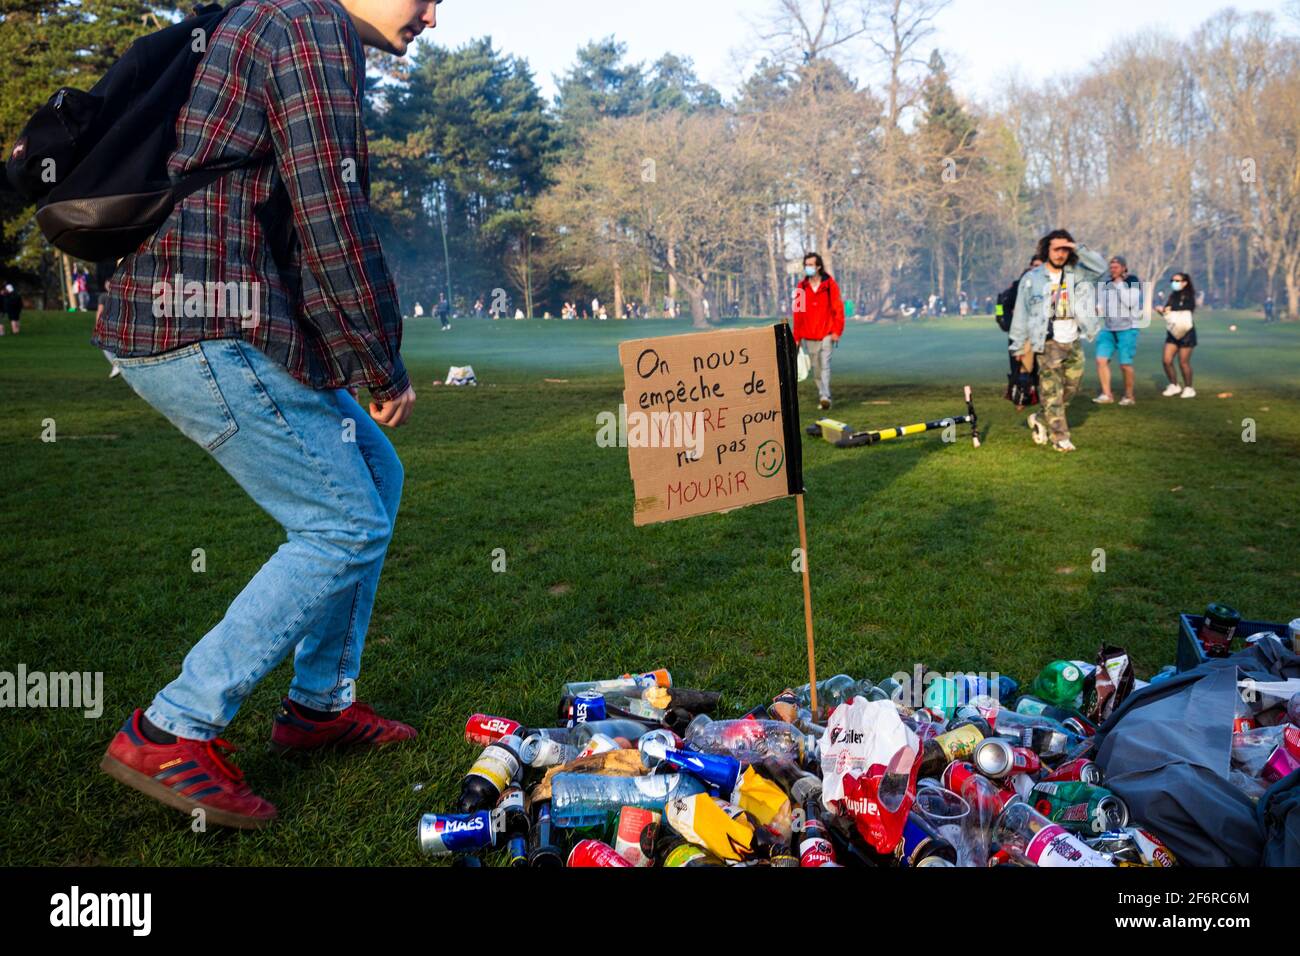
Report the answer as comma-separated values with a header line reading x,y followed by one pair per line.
x,y
1006,307
95,163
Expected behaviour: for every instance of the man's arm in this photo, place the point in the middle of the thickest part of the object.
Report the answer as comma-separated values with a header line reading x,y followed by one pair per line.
x,y
1090,261
314,111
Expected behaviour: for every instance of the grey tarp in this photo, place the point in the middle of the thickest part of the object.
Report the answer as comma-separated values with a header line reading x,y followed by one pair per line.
x,y
1167,749
1279,815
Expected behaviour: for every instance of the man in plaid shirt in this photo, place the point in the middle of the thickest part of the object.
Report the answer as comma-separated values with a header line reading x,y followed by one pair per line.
x,y
249,320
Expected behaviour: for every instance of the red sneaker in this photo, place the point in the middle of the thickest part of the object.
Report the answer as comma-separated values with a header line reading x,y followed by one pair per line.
x,y
358,725
185,775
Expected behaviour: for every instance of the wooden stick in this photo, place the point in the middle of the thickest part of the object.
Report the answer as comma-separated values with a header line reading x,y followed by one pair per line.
x,y
807,606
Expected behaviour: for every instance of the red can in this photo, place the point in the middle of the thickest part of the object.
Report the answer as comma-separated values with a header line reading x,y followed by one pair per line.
x,y
483,729
593,853
1242,724
956,774
1081,770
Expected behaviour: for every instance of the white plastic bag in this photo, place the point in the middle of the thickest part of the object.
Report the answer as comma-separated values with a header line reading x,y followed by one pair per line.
x,y
805,364
1179,323
860,733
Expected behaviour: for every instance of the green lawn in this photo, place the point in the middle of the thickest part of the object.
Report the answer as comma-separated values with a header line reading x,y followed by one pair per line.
x,y
920,552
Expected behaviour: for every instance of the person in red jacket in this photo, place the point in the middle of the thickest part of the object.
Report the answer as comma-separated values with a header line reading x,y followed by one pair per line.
x,y
818,320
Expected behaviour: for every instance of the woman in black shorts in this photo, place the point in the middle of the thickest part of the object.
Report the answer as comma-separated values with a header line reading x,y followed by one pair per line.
x,y
1180,334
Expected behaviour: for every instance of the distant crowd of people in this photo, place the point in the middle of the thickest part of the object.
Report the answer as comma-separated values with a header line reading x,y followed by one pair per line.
x,y
1069,295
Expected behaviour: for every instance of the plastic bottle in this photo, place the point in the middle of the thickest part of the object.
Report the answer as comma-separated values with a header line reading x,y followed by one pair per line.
x,y
750,740
986,801
582,799
1293,710
1043,735
871,691
628,687
1033,707
1059,683
496,768
830,692
1025,833
614,727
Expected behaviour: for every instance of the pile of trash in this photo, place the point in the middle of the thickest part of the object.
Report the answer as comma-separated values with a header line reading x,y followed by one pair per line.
x,y
922,769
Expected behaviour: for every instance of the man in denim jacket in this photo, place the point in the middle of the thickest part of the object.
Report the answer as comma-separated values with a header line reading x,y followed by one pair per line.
x,y
1056,309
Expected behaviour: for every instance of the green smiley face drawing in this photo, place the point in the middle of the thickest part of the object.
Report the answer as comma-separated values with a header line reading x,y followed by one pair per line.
x,y
770,458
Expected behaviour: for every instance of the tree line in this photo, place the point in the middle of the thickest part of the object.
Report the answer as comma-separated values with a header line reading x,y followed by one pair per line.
x,y
640,183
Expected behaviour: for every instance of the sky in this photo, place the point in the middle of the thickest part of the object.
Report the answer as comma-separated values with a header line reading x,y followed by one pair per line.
x,y
981,39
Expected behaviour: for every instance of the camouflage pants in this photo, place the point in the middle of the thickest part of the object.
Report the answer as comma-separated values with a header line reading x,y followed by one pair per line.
x,y
1060,369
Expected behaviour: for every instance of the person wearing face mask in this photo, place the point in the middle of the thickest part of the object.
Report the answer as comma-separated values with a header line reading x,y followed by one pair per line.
x,y
1180,334
818,321
1056,311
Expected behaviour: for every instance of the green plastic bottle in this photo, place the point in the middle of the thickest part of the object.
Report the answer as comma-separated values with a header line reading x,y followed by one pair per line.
x,y
1059,683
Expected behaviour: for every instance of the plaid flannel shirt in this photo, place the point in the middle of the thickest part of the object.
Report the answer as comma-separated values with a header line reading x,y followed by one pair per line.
x,y
281,252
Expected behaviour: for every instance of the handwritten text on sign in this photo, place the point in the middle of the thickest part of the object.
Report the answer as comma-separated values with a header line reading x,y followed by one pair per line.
x,y
705,426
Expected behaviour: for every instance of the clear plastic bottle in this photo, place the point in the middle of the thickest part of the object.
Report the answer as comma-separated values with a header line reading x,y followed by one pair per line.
x,y
614,727
750,740
830,692
627,687
588,799
1009,723
1023,832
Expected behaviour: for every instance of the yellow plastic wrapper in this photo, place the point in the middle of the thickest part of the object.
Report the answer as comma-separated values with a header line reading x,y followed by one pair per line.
x,y
761,797
701,821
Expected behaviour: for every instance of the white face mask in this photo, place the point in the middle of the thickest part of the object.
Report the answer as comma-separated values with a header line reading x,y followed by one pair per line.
x,y
1176,286
810,271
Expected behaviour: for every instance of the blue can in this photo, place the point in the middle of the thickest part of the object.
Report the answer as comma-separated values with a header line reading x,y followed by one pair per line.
x,y
445,833
588,707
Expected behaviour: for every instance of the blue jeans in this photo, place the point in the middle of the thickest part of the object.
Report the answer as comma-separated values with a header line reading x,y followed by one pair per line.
x,y
315,462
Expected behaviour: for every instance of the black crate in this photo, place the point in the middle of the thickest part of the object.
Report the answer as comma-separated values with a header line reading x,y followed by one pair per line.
x,y
1190,653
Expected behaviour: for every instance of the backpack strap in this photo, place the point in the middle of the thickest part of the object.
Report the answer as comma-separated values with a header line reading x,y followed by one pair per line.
x,y
188,185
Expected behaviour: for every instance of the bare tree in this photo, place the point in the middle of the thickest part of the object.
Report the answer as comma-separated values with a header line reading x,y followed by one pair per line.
x,y
800,31
899,31
683,190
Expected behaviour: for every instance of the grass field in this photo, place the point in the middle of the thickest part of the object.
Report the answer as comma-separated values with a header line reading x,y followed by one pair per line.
x,y
920,552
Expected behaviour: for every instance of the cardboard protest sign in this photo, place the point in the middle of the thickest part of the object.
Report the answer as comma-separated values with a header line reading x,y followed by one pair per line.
x,y
712,421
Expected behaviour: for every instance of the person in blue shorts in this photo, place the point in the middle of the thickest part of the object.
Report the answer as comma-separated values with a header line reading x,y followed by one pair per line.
x,y
1119,300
